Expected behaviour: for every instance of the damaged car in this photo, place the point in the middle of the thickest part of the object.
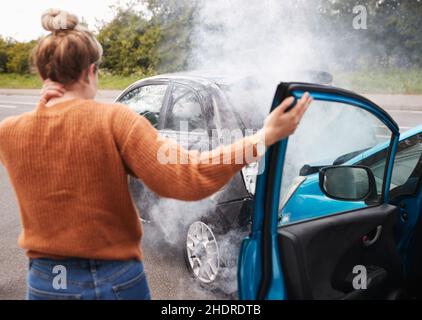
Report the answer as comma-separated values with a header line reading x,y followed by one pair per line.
x,y
207,105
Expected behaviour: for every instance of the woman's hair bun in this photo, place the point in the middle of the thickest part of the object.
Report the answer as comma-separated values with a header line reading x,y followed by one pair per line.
x,y
55,20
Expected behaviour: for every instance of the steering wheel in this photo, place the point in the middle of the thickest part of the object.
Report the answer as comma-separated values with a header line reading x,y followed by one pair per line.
x,y
152,117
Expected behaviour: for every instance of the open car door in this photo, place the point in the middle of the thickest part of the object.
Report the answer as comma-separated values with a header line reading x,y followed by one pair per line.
x,y
342,254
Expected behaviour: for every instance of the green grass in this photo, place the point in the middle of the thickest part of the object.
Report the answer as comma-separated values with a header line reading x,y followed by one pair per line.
x,y
399,81
107,82
112,82
365,81
15,81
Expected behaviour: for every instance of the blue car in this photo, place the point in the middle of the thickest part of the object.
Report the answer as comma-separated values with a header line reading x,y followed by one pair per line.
x,y
349,226
305,191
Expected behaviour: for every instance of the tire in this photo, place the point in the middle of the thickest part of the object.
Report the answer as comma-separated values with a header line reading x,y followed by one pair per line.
x,y
201,252
224,281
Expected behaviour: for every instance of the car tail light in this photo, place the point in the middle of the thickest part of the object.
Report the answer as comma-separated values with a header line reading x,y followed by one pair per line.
x,y
292,189
250,173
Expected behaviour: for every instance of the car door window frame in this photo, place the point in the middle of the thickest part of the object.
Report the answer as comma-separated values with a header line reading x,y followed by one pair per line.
x,y
382,155
398,191
350,98
168,110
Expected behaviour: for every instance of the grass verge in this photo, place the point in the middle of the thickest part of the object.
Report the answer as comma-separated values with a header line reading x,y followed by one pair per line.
x,y
107,82
399,81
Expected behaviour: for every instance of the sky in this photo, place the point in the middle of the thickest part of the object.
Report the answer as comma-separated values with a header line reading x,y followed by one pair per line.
x,y
21,19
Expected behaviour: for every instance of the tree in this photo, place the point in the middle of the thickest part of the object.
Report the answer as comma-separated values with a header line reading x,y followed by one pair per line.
x,y
130,43
176,19
3,55
394,35
18,57
400,30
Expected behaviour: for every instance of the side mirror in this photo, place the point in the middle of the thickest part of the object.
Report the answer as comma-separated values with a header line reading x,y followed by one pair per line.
x,y
348,183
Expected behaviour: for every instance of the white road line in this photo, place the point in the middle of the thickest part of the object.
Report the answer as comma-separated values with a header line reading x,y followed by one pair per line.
x,y
405,111
18,102
384,127
7,107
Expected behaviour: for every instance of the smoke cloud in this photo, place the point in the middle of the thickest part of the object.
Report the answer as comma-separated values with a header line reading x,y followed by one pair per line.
x,y
260,44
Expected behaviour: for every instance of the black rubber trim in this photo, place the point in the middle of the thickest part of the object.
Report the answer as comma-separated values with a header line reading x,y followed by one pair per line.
x,y
266,235
280,95
387,158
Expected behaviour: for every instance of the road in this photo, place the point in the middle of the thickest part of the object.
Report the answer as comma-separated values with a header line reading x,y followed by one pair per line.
x,y
167,275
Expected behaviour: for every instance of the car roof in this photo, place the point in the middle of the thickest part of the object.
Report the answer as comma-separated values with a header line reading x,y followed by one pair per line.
x,y
204,78
194,79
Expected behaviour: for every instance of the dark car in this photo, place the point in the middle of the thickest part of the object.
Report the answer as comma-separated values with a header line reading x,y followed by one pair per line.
x,y
206,105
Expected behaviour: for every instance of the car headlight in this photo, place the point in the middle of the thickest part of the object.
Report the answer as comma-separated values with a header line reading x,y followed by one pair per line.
x,y
250,173
293,187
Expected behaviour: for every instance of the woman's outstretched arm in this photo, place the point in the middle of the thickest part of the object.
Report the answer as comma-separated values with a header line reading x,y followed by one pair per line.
x,y
173,172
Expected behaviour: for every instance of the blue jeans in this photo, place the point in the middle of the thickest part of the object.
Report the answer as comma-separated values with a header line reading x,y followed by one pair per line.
x,y
81,279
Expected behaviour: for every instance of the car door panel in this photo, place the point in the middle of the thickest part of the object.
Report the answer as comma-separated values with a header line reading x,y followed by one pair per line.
x,y
413,244
319,255
314,259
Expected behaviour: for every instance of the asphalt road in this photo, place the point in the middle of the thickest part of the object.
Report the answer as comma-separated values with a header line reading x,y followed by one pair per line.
x,y
167,275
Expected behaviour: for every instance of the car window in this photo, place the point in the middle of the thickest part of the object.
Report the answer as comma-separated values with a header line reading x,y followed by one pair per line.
x,y
147,101
185,112
330,133
407,167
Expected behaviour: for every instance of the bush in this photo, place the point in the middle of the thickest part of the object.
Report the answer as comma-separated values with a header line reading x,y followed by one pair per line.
x,y
18,57
3,55
130,44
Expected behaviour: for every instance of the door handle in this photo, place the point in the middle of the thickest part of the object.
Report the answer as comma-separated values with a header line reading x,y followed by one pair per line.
x,y
369,239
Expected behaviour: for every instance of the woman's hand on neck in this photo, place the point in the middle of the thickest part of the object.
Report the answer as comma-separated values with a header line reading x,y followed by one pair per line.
x,y
54,93
68,95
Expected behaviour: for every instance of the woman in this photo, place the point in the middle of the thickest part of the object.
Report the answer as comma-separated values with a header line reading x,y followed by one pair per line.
x,y
68,161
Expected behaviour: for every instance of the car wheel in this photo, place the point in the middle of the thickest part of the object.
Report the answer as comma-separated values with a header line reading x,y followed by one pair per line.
x,y
202,254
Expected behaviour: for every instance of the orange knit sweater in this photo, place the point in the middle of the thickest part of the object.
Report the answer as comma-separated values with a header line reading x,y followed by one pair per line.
x,y
69,166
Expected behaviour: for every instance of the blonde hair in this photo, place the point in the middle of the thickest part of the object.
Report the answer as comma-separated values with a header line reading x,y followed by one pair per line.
x,y
68,51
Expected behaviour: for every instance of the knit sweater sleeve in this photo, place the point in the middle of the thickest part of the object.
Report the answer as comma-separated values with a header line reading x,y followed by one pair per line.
x,y
170,170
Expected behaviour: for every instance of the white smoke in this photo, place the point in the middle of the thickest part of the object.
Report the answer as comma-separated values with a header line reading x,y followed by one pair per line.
x,y
274,41
248,37
267,41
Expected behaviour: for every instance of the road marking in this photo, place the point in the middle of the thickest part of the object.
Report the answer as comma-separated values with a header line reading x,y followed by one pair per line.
x,y
18,102
401,127
405,111
7,107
